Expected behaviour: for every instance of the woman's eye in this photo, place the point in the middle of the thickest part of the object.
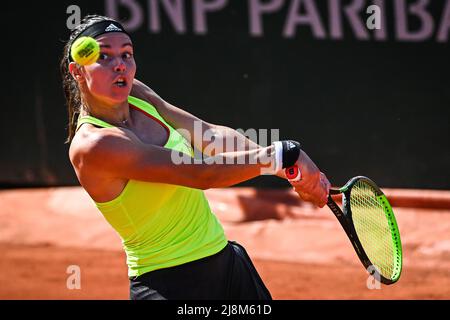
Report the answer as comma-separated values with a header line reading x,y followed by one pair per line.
x,y
103,56
127,55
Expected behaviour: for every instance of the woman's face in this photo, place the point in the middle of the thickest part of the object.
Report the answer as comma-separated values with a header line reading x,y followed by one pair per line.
x,y
110,79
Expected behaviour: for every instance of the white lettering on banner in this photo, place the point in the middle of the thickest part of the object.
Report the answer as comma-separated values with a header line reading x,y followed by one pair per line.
x,y
298,14
311,17
418,9
174,10
335,20
445,24
201,7
257,9
136,13
352,12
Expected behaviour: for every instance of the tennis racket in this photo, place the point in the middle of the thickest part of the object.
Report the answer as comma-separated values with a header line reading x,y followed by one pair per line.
x,y
369,222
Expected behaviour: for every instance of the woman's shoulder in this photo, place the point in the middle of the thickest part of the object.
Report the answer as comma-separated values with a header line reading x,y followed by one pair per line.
x,y
87,153
105,147
87,141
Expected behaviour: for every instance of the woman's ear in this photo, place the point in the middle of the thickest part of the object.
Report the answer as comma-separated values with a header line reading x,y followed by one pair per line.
x,y
75,71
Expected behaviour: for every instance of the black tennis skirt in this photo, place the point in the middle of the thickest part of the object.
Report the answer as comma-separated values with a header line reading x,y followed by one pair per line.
x,y
228,274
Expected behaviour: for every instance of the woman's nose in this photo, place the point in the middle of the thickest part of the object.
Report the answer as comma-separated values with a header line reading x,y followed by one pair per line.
x,y
119,65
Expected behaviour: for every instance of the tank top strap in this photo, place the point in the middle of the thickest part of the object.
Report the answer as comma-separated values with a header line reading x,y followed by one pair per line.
x,y
135,102
94,121
148,108
175,139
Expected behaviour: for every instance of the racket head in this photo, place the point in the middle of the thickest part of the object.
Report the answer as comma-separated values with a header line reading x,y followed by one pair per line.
x,y
372,222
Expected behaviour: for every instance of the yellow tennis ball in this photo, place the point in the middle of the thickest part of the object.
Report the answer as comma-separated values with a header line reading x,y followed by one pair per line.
x,y
85,51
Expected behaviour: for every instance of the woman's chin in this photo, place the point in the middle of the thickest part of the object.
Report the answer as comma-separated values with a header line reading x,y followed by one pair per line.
x,y
120,94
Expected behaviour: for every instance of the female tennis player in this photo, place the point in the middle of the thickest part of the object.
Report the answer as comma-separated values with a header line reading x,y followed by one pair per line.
x,y
123,138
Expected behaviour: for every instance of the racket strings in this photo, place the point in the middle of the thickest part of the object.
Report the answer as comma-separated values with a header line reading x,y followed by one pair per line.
x,y
372,227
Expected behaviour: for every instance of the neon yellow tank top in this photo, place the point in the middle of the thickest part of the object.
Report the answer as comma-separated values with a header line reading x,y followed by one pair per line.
x,y
161,225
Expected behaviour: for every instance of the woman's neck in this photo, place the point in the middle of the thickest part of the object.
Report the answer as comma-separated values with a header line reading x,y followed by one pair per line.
x,y
115,114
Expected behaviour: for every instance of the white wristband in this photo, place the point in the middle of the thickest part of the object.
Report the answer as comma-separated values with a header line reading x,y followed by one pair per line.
x,y
278,161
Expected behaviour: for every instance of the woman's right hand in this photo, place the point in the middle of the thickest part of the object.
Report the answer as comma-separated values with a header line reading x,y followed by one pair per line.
x,y
314,186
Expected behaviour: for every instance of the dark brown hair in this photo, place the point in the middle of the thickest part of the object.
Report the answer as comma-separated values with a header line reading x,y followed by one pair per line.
x,y
70,85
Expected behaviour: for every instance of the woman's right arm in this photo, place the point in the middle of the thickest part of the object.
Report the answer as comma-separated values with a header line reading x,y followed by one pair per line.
x,y
118,153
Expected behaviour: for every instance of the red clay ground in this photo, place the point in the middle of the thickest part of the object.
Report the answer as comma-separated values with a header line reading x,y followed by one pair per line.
x,y
40,273
300,252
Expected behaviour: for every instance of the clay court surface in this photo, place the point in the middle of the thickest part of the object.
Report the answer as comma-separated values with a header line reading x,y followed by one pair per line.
x,y
300,252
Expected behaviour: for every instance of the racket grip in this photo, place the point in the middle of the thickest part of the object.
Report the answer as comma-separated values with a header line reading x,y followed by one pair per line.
x,y
293,174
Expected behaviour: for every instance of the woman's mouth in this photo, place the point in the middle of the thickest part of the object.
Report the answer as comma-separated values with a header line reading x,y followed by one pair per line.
x,y
121,82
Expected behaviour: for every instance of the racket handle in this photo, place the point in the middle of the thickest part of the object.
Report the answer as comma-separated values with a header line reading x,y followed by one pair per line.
x,y
293,173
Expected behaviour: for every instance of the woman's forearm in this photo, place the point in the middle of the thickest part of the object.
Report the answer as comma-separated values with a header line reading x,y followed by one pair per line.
x,y
233,140
237,142
229,168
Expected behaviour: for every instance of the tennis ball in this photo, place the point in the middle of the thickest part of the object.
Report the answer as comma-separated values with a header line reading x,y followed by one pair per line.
x,y
85,51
